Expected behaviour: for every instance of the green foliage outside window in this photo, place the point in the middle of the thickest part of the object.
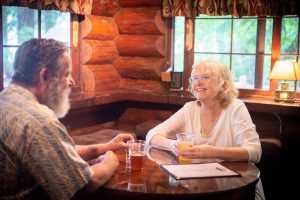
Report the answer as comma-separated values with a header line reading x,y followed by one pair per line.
x,y
179,45
238,50
20,24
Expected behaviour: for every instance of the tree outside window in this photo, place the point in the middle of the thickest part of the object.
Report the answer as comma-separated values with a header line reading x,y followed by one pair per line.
x,y
20,24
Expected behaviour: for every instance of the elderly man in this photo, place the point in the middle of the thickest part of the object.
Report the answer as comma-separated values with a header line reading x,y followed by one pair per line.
x,y
36,152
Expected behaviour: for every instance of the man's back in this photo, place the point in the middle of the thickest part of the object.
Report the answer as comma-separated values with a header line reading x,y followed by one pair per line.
x,y
21,116
33,147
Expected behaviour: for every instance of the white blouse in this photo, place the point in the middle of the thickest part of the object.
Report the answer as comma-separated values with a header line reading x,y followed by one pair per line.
x,y
234,128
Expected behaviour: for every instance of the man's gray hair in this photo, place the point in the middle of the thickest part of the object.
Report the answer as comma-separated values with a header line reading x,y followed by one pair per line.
x,y
35,54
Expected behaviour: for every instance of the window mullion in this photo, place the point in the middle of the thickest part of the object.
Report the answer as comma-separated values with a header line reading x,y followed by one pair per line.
x,y
1,52
260,48
39,23
297,50
276,37
231,44
188,50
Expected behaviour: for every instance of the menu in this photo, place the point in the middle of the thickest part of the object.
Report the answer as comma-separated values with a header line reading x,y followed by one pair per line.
x,y
203,170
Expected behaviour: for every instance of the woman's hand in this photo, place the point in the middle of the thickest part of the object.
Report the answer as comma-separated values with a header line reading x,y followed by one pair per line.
x,y
198,151
119,142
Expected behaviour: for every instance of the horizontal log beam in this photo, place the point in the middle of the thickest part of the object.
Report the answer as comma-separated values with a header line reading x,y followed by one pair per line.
x,y
103,72
98,52
141,45
139,67
88,79
105,8
99,28
140,21
107,85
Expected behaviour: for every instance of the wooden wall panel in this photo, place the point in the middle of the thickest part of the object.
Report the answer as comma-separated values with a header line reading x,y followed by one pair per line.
x,y
103,77
88,80
105,71
105,8
139,67
141,45
83,118
140,21
139,115
99,52
141,85
107,84
128,35
99,28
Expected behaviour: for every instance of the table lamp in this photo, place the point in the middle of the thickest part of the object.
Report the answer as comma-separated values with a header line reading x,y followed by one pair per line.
x,y
286,71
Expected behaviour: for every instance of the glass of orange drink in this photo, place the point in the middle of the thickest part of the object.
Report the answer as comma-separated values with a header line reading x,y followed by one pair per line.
x,y
185,140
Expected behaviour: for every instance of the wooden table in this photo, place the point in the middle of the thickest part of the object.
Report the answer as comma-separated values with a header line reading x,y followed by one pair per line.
x,y
155,183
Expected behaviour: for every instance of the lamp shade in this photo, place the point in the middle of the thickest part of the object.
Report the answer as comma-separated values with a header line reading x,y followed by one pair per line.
x,y
285,70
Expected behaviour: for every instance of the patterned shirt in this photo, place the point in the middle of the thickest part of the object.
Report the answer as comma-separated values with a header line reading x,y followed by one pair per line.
x,y
36,150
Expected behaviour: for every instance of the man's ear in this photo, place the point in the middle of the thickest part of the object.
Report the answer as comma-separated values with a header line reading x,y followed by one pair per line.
x,y
43,76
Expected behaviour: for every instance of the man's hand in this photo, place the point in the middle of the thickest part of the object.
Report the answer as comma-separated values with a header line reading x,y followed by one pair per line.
x,y
119,142
110,159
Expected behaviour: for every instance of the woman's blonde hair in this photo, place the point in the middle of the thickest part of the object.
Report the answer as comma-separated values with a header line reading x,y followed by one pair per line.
x,y
222,74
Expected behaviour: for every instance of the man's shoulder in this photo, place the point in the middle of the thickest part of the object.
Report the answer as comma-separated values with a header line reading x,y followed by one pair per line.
x,y
21,115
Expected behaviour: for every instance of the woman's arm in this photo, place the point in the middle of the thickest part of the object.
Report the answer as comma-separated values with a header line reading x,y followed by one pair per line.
x,y
245,133
224,153
161,142
163,135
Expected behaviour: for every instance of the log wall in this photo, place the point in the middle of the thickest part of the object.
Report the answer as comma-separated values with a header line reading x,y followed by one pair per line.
x,y
123,46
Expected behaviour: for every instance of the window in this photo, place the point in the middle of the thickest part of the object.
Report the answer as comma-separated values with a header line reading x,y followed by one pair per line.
x,y
244,44
20,24
289,48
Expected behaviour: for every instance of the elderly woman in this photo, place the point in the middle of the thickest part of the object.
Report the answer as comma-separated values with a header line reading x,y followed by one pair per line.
x,y
220,122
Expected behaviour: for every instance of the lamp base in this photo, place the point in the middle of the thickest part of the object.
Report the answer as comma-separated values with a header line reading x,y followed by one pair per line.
x,y
284,96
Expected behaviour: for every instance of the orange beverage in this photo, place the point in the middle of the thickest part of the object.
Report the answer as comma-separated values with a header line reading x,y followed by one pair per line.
x,y
137,161
185,140
183,145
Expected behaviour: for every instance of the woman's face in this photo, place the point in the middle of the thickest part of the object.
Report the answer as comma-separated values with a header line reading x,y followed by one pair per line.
x,y
205,85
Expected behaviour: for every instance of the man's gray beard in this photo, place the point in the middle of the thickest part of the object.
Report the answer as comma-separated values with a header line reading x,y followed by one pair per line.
x,y
57,99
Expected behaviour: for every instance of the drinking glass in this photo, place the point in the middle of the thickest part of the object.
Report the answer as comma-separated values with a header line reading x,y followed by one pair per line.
x,y
185,140
136,151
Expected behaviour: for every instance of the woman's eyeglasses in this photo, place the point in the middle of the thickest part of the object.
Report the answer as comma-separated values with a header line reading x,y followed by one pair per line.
x,y
202,78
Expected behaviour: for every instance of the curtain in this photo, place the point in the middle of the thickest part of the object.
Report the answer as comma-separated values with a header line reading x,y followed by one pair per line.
x,y
83,7
238,8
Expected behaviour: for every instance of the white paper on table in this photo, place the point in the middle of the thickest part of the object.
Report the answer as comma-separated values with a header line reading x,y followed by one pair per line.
x,y
203,170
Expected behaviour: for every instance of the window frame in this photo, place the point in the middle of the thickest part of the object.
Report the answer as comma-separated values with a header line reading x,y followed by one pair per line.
x,y
74,49
275,54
